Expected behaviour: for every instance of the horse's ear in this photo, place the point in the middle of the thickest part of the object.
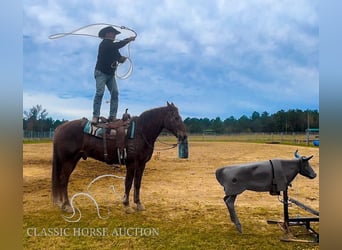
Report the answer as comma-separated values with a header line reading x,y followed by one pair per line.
x,y
170,105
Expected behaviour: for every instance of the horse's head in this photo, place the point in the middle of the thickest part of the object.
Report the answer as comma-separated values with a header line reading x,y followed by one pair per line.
x,y
173,122
304,168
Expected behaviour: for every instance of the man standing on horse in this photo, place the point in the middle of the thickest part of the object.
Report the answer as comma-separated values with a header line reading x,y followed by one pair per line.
x,y
107,60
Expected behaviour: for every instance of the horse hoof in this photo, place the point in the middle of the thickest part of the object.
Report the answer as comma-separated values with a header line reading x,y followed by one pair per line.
x,y
129,210
67,209
125,201
140,207
58,204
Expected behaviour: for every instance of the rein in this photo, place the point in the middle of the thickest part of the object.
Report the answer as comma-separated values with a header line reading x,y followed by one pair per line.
x,y
171,146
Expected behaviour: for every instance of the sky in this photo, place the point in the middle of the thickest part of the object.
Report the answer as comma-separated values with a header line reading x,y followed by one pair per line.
x,y
218,58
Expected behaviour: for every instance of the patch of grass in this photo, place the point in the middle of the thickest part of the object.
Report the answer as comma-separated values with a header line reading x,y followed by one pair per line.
x,y
143,230
288,139
298,140
37,140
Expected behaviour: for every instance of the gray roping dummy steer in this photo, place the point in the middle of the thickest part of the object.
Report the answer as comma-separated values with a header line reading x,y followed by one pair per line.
x,y
266,176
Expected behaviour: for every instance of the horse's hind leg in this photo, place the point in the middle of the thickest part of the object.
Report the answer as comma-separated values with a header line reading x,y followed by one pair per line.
x,y
229,200
65,175
57,189
61,177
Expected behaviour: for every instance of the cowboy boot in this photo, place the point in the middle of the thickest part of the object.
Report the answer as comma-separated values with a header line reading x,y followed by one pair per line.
x,y
95,120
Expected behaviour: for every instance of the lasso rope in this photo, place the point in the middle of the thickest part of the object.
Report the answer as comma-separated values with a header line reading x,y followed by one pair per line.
x,y
91,197
92,31
130,69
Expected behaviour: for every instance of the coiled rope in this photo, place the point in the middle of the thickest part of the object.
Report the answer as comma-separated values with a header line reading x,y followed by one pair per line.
x,y
92,31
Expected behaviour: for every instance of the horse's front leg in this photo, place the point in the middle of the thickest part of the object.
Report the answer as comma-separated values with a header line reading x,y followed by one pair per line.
x,y
137,184
229,200
128,186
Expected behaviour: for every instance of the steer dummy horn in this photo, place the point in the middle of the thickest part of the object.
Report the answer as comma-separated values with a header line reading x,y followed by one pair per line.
x,y
297,155
307,158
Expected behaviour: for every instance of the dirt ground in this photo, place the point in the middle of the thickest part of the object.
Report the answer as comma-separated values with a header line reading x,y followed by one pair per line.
x,y
172,187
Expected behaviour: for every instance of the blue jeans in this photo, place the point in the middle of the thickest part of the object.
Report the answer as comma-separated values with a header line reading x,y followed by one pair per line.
x,y
103,80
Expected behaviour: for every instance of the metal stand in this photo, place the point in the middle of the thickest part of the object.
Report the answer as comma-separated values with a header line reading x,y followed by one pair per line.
x,y
296,221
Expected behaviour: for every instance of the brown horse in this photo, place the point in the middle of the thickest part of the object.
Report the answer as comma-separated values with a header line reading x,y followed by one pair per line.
x,y
70,144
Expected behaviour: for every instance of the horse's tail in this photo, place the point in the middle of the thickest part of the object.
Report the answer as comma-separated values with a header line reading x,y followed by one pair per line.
x,y
64,158
57,165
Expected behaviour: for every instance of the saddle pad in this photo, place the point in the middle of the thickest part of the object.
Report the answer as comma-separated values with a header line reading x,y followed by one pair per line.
x,y
92,129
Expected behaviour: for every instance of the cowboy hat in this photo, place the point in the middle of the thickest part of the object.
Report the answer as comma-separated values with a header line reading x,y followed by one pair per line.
x,y
108,29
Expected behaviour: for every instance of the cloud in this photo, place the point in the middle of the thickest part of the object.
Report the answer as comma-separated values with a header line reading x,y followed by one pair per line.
x,y
61,107
218,54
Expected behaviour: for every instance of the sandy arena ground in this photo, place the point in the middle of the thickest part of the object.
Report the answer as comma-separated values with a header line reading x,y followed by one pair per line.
x,y
172,187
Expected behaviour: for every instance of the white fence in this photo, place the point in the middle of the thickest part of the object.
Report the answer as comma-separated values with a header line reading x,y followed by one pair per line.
x,y
37,135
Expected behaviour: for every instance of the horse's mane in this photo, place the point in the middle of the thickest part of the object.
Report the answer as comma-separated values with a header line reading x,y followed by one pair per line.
x,y
151,114
156,115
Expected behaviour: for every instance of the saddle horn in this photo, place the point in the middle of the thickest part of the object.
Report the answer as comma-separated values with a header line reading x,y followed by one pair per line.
x,y
126,116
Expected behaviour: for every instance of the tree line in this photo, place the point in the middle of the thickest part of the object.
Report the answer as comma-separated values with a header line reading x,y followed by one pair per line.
x,y
36,119
293,120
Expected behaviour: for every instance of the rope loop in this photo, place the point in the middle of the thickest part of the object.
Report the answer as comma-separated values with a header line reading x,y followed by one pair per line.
x,y
92,31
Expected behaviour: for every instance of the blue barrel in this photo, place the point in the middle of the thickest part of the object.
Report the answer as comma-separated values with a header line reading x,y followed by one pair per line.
x,y
316,143
183,151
